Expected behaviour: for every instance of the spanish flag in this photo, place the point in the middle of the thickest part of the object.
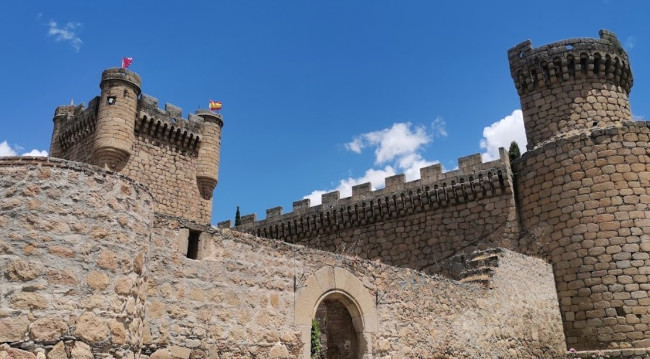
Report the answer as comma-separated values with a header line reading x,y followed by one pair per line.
x,y
215,105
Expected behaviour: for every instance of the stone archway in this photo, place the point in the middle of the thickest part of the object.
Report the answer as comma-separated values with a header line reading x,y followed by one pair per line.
x,y
337,284
334,314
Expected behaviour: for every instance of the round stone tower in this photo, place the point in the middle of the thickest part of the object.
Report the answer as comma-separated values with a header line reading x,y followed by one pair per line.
x,y
118,102
207,164
584,187
571,85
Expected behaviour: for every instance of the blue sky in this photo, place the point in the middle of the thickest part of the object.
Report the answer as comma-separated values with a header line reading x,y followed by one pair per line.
x,y
317,95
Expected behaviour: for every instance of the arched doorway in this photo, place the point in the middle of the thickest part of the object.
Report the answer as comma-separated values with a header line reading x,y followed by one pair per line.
x,y
335,290
338,335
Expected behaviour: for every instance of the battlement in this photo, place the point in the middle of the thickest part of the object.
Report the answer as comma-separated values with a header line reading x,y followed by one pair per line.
x,y
533,69
472,181
167,125
117,74
74,124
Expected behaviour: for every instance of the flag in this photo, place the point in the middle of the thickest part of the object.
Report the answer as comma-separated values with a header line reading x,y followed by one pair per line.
x,y
215,105
126,61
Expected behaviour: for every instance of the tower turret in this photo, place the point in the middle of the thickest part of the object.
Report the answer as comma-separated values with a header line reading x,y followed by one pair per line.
x,y
207,164
118,103
571,85
61,115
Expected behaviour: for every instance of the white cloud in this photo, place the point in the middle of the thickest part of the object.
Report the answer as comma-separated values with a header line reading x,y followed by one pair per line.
x,y
67,33
502,133
397,149
390,143
374,176
6,150
36,153
439,127
356,145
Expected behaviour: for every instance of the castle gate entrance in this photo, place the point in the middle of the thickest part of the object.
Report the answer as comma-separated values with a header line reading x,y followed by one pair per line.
x,y
346,312
338,335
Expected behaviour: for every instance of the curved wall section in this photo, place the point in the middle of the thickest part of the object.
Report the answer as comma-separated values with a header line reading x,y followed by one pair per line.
x,y
72,245
585,202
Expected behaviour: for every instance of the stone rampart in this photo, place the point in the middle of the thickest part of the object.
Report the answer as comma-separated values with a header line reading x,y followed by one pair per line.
x,y
427,224
584,203
73,241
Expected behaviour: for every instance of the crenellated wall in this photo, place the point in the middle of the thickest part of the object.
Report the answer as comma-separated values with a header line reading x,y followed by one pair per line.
x,y
427,224
177,158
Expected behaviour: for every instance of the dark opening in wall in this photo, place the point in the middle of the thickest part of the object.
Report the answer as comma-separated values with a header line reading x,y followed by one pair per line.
x,y
193,244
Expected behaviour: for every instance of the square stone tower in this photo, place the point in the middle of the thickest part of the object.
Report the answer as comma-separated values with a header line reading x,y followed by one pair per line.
x,y
124,130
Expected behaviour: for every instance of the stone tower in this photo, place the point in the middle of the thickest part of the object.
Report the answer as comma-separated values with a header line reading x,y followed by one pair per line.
x,y
584,187
124,130
571,85
207,166
115,117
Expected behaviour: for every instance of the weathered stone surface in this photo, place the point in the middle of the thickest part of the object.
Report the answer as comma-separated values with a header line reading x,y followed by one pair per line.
x,y
123,285
118,332
178,352
58,352
80,350
48,329
97,280
20,270
278,351
27,300
13,353
61,277
91,328
13,329
161,354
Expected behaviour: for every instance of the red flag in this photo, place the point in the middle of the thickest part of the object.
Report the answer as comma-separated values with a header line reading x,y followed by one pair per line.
x,y
215,105
126,62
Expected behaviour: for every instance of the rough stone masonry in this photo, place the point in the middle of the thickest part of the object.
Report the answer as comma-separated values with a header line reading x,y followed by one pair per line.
x,y
106,250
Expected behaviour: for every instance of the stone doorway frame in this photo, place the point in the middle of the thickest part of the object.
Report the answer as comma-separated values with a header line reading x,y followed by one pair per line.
x,y
347,288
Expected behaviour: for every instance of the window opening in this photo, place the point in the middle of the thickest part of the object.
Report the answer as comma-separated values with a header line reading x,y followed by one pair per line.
x,y
193,244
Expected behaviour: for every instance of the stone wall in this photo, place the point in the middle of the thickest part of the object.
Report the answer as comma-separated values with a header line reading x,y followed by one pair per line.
x,y
429,224
73,241
241,298
87,270
585,204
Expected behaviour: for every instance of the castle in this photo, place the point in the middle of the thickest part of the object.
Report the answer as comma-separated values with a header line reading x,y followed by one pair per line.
x,y
107,251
